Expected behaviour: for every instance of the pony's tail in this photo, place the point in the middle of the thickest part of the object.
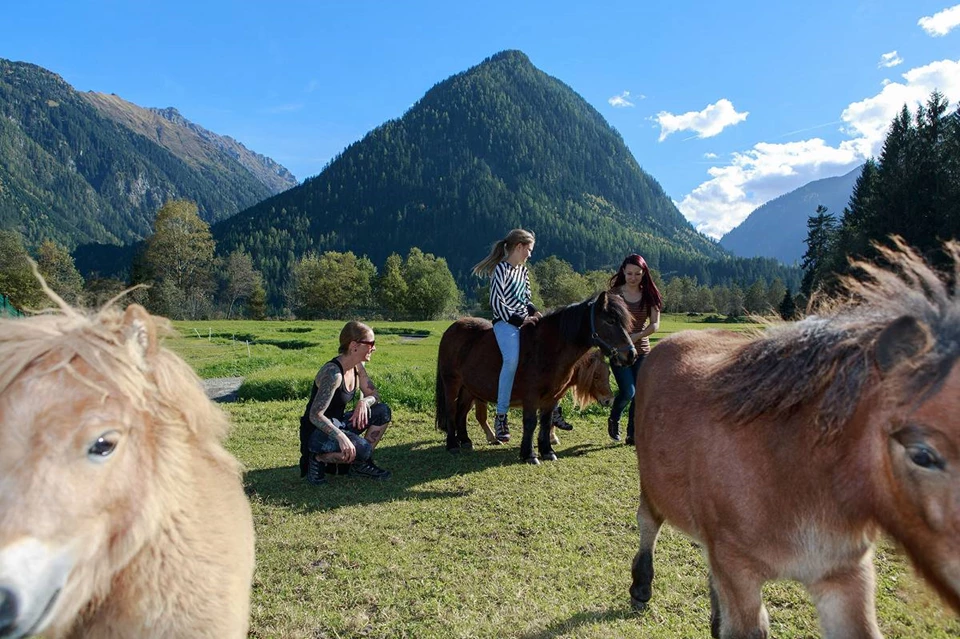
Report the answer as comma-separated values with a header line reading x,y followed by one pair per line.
x,y
440,402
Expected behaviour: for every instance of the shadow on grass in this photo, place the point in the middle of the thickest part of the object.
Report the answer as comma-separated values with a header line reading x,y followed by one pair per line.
x,y
414,466
567,627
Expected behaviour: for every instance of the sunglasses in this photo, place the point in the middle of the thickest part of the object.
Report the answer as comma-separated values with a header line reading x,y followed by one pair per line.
x,y
371,342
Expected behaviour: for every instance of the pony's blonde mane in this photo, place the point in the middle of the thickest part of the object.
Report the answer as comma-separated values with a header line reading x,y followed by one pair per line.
x,y
827,359
584,371
114,362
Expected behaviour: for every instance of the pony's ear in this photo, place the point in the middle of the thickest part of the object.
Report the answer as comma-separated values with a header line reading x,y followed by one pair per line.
x,y
903,339
140,330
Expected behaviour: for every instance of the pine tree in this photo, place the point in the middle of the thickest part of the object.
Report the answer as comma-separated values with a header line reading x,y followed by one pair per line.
x,y
821,236
788,307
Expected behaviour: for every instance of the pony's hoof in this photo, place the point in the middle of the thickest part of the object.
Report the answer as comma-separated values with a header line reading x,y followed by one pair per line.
x,y
636,604
551,456
533,461
454,451
467,446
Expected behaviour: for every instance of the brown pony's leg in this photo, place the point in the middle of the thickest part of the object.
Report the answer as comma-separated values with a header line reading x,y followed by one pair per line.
x,y
845,602
527,453
543,438
649,522
451,398
464,402
481,413
736,609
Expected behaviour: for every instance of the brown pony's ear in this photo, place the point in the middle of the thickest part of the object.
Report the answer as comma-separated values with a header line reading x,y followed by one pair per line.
x,y
139,328
902,339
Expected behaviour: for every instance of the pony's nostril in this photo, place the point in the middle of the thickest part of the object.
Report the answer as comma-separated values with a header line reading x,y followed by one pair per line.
x,y
9,609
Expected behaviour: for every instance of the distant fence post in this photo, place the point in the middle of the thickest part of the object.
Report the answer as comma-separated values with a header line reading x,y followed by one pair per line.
x,y
7,308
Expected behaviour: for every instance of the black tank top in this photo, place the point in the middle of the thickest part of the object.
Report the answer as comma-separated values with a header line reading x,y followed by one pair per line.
x,y
338,403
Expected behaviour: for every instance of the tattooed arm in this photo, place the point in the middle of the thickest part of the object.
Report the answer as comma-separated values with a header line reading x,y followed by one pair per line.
x,y
328,380
361,414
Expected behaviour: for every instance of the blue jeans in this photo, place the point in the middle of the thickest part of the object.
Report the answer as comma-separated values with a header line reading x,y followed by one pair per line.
x,y
626,377
508,339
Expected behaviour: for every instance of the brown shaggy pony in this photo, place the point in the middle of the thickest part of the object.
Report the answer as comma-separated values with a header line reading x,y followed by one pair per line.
x,y
785,454
590,382
121,515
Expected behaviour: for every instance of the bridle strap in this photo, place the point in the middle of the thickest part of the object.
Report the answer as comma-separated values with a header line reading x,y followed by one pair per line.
x,y
598,341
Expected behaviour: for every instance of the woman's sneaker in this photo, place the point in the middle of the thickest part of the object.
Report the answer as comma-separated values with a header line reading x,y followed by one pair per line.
x,y
369,469
558,420
500,429
315,471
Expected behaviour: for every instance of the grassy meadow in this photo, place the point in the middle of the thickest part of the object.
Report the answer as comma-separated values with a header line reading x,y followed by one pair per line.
x,y
476,545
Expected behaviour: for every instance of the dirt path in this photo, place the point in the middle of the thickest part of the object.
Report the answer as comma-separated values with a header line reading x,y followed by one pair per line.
x,y
222,389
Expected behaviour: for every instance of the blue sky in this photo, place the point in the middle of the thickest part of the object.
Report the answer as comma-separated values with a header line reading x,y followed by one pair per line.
x,y
726,104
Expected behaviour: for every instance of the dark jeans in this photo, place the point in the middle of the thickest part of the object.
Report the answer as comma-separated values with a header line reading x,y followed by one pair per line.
x,y
319,443
626,377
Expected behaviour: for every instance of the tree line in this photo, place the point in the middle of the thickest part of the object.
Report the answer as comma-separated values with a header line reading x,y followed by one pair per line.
x,y
184,278
911,190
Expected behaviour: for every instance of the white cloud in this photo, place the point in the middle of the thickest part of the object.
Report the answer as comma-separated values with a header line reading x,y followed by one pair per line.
x,y
623,100
768,170
710,156
941,23
888,60
707,123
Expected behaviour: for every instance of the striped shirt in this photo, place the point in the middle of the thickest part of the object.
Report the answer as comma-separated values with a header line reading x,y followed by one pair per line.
x,y
510,297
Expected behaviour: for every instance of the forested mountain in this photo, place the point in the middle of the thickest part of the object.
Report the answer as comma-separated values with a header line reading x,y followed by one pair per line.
x,y
189,141
499,146
70,173
778,228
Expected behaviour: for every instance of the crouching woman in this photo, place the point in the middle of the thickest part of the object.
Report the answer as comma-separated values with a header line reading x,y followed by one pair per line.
x,y
328,433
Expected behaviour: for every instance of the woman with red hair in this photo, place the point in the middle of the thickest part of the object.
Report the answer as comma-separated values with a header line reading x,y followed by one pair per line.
x,y
634,284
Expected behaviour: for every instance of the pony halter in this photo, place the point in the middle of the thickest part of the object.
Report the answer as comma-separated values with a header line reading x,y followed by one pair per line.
x,y
599,342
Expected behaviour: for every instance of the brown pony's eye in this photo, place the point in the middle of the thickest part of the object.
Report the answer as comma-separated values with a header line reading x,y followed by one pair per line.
x,y
925,457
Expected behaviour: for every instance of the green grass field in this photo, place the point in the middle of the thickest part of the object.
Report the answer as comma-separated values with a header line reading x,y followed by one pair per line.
x,y
478,545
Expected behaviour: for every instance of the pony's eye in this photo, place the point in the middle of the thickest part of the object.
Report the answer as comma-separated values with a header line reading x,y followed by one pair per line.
x,y
103,446
924,457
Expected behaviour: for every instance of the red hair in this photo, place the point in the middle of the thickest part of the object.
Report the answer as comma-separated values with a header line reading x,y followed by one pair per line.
x,y
649,293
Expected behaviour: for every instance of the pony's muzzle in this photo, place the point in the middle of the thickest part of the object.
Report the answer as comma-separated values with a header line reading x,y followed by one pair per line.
x,y
606,402
625,358
32,576
9,610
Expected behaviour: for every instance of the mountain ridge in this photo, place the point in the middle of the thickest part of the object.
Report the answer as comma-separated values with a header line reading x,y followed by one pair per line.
x,y
498,146
72,173
778,228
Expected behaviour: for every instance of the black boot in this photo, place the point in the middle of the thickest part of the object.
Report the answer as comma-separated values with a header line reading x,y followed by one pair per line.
x,y
613,428
369,469
315,471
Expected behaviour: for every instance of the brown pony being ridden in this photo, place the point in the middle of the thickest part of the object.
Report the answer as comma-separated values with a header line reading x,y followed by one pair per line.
x,y
785,454
469,360
121,515
590,383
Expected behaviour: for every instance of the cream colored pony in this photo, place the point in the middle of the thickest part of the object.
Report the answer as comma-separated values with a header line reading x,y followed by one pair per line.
x,y
121,515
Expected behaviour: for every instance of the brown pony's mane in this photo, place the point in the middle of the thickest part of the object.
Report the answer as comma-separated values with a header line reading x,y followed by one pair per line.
x,y
158,382
590,364
827,359
572,316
